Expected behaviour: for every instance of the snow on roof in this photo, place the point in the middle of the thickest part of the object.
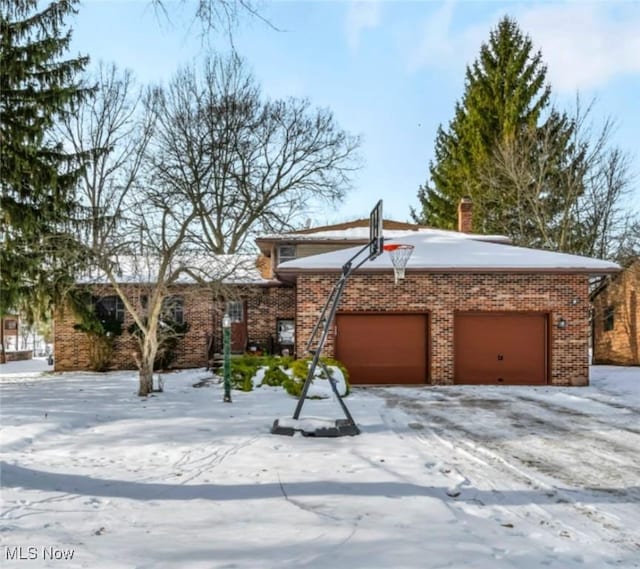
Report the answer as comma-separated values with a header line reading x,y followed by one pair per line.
x,y
441,251
229,269
362,233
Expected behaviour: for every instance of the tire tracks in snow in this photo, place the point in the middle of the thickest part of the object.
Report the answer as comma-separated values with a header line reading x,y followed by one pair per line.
x,y
488,451
555,426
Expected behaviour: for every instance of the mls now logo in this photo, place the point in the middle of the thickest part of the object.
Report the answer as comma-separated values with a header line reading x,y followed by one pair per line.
x,y
29,553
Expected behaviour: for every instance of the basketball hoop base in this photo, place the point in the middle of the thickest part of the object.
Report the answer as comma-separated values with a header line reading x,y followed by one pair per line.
x,y
341,428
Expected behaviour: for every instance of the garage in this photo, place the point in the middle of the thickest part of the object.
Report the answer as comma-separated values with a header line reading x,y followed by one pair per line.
x,y
383,348
500,348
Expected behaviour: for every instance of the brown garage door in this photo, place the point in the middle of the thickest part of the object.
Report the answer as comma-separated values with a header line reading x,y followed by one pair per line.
x,y
501,348
383,348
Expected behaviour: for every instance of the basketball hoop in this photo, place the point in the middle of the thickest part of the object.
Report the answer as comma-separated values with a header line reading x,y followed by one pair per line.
x,y
399,254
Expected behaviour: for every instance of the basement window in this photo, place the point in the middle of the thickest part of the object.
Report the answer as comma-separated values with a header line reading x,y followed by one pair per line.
x,y
286,253
608,318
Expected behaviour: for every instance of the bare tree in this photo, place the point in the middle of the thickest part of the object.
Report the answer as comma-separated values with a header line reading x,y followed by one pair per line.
x,y
184,179
132,232
562,187
605,223
114,132
219,15
250,164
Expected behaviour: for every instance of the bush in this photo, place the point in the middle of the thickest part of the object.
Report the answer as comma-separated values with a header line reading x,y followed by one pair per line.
x,y
101,332
242,373
293,386
245,368
274,376
300,370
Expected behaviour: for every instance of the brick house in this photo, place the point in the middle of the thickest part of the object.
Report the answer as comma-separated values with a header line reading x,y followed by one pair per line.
x,y
258,308
472,308
616,318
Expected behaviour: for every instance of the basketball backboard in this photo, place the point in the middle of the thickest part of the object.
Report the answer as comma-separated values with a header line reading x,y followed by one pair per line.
x,y
376,240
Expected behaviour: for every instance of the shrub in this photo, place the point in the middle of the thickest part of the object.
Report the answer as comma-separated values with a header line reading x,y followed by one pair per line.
x,y
101,332
242,373
245,368
300,370
274,376
293,386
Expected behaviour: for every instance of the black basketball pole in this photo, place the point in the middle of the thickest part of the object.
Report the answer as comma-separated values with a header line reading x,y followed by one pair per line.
x,y
332,304
325,320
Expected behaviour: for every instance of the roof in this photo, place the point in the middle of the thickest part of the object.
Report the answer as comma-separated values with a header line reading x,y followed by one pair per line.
x,y
358,232
229,269
438,251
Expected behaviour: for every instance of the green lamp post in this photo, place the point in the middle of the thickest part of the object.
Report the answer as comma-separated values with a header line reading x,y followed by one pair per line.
x,y
226,342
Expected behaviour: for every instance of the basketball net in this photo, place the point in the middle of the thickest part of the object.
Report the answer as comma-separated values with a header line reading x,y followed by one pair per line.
x,y
399,254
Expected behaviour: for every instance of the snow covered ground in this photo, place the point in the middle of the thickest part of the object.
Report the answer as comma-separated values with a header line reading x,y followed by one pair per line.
x,y
473,477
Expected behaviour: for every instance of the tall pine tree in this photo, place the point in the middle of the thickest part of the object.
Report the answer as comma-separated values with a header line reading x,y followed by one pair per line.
x,y
37,176
505,92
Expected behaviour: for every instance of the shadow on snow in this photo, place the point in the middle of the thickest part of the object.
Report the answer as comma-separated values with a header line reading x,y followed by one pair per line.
x,y
14,476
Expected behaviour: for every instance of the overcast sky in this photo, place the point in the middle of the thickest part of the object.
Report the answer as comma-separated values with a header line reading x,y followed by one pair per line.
x,y
391,71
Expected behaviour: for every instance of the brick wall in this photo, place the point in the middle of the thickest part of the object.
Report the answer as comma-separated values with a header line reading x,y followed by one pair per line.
x,y
19,355
621,345
565,296
264,306
201,311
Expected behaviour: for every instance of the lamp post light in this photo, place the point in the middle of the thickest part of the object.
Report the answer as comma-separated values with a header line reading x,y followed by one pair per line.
x,y
226,342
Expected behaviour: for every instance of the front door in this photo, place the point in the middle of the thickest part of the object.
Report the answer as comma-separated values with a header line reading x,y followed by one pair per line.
x,y
237,311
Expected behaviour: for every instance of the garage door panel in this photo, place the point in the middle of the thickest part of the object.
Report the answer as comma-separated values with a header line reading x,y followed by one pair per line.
x,y
383,348
384,375
500,348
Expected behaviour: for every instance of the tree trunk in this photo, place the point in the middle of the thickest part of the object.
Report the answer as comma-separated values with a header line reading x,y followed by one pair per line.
x,y
2,356
147,359
146,379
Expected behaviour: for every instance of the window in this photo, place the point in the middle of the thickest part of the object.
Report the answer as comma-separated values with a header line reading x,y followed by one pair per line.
x,y
10,324
286,331
110,308
235,310
608,318
286,253
173,308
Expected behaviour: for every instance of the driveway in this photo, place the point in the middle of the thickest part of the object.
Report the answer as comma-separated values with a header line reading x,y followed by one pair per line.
x,y
579,447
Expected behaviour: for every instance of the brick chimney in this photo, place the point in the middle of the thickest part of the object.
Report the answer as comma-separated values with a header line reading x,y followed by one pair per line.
x,y
465,215
263,264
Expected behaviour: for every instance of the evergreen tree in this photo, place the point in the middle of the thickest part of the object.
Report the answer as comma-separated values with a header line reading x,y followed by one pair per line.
x,y
37,176
505,93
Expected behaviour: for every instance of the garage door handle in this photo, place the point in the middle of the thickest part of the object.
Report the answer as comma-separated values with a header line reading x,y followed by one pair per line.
x,y
500,357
